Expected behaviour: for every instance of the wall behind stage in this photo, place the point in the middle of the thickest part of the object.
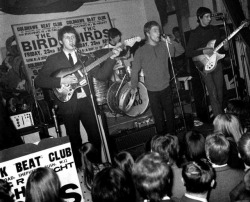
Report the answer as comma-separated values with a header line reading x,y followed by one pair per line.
x,y
129,16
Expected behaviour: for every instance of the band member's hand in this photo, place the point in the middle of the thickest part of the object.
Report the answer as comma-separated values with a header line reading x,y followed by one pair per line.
x,y
133,91
116,52
166,38
70,79
208,51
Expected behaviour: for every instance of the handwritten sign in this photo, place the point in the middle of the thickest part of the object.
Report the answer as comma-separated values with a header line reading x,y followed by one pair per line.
x,y
59,158
38,40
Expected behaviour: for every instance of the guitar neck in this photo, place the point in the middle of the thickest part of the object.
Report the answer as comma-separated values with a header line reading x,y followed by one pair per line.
x,y
100,60
229,37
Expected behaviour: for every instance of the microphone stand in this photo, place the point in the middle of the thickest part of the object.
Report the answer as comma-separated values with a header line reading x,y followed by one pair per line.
x,y
223,18
98,117
177,90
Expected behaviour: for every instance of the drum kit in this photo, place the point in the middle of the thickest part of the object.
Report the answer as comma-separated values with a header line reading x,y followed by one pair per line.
x,y
118,96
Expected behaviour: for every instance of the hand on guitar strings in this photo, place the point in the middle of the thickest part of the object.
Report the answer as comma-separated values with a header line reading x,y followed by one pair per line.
x,y
208,51
116,52
133,90
70,79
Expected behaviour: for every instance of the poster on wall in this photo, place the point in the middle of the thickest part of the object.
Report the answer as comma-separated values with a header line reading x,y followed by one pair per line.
x,y
38,40
53,153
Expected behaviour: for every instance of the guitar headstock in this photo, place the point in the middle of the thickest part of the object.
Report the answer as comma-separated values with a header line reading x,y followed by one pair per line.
x,y
245,22
131,41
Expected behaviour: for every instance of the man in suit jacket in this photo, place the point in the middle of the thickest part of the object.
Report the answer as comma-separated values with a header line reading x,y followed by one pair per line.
x,y
198,177
80,106
217,149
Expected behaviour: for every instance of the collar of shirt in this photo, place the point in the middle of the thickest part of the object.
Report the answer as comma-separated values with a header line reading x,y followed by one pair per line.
x,y
195,197
218,166
164,198
73,54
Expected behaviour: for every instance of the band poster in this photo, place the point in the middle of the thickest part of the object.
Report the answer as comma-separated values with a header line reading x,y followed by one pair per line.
x,y
38,40
59,158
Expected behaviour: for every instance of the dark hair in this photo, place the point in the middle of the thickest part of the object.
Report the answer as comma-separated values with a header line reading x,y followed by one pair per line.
x,y
148,26
114,32
68,29
5,189
43,185
167,146
175,29
152,176
111,185
198,176
217,148
202,11
194,146
244,148
91,159
124,161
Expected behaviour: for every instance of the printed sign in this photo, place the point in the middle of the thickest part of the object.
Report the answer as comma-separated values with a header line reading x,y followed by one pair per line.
x,y
59,158
38,40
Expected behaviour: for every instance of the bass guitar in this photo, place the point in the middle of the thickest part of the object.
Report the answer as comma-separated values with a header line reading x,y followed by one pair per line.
x,y
65,92
208,63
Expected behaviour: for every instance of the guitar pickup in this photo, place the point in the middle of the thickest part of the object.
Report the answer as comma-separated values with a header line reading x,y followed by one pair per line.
x,y
83,82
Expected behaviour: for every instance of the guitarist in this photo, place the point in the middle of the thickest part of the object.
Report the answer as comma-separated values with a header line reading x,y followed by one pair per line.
x,y
79,107
197,43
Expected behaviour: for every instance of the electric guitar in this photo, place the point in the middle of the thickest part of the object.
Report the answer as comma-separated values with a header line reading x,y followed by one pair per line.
x,y
208,63
65,92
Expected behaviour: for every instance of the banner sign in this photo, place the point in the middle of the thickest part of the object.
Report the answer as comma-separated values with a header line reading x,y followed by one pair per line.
x,y
38,40
59,158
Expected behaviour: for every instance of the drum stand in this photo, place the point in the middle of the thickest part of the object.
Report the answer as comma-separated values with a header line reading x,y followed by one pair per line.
x,y
97,116
176,86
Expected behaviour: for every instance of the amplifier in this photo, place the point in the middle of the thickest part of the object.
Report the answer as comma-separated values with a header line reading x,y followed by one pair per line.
x,y
134,140
22,120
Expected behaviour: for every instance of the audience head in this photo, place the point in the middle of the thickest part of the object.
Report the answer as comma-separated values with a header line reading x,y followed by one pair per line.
x,y
5,192
167,146
112,185
43,185
90,157
148,26
194,144
198,176
244,148
124,161
217,148
152,176
229,125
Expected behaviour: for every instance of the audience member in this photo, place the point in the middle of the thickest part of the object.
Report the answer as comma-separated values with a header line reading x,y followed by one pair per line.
x,y
43,185
124,161
194,146
168,147
152,177
198,177
239,108
217,151
242,191
244,149
91,165
5,192
111,185
229,125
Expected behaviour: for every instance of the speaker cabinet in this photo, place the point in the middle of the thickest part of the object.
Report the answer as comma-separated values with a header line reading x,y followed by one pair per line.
x,y
133,141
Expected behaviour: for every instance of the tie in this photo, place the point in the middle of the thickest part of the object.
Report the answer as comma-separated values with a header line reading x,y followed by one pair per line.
x,y
71,60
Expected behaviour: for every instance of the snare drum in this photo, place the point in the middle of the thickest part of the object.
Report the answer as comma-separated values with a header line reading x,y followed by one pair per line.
x,y
120,100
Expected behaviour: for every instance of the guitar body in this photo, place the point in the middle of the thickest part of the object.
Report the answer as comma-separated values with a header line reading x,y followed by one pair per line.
x,y
66,91
208,63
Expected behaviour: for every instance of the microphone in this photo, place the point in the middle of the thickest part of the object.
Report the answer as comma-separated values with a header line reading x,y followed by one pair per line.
x,y
217,14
